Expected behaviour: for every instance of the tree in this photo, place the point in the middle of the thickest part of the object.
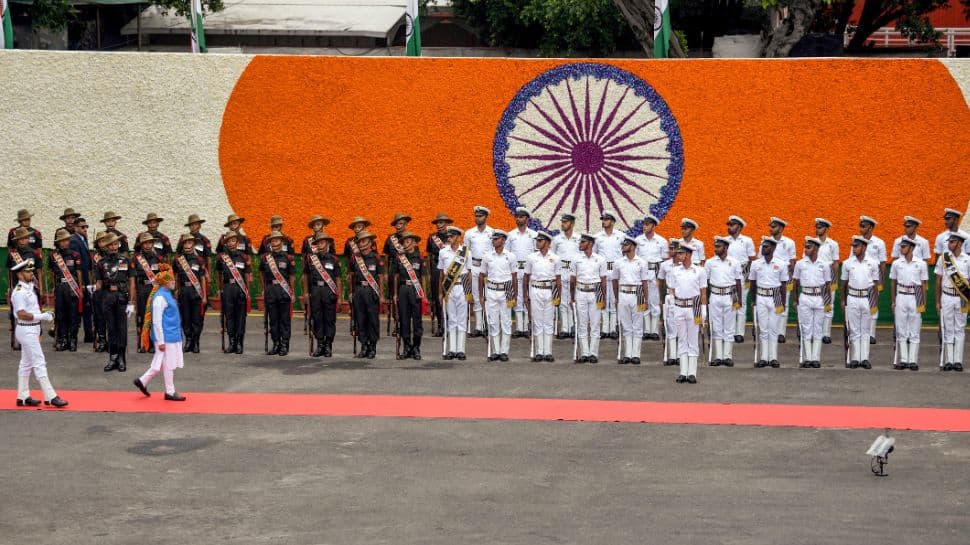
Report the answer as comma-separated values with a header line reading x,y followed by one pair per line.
x,y
788,21
640,15
910,18
57,14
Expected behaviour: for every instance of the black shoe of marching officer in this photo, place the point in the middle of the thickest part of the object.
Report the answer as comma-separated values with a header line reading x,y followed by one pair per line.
x,y
865,364
538,357
141,387
72,343
448,356
406,351
635,361
318,351
691,379
728,362
853,364
582,359
275,349
947,367
186,344
231,347
113,361
826,340
460,356
59,344
416,350
594,359
101,344
816,365
900,366
550,358
645,337
57,403
872,340
714,363
914,367
623,361
958,367
174,397
804,365
284,347
761,364
774,364
29,402
503,357
781,339
122,361
327,347
738,339
195,343
239,344
493,357
670,362
681,379
372,353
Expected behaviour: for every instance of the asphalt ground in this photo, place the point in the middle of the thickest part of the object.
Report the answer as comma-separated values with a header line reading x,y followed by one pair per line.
x,y
164,478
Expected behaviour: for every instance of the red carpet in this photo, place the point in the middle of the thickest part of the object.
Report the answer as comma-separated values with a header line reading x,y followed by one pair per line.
x,y
810,416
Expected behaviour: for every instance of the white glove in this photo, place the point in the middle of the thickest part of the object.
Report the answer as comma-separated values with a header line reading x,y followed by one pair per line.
x,y
129,310
44,317
90,288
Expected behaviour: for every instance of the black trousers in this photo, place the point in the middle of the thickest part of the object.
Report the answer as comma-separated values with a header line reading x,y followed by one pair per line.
x,y
66,315
367,314
409,312
141,301
190,310
278,312
323,312
234,310
436,293
96,301
116,323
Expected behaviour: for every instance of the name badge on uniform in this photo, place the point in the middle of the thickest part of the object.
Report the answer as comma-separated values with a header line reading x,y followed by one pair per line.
x,y
69,262
417,266
282,265
240,265
159,244
240,245
194,267
372,267
328,266
284,247
199,248
121,267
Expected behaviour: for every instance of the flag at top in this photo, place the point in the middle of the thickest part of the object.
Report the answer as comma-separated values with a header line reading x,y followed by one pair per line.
x,y
412,29
198,33
6,26
661,29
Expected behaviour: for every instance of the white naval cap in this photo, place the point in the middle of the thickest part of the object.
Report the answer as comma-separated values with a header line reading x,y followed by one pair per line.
x,y
688,223
629,239
814,240
674,241
951,212
867,219
542,235
959,235
777,220
911,219
651,218
722,239
768,240
499,233
608,214
586,237
522,211
906,240
737,219
452,230
823,221
686,247
480,208
26,265
859,239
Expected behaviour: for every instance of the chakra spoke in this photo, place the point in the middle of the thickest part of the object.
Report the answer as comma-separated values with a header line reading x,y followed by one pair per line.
x,y
586,111
557,174
611,115
628,147
562,115
609,195
629,132
599,111
546,157
562,199
621,124
632,170
542,145
628,181
544,168
547,134
576,118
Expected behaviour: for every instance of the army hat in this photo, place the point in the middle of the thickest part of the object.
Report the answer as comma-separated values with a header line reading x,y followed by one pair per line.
x,y
25,265
543,236
61,234
21,232
779,221
722,240
906,240
859,239
144,237
366,234
275,220
586,237
317,237
452,231
152,217
69,213
687,222
409,234
398,216
110,238
442,217
958,235
194,218
358,219
685,247
951,212
109,215
768,240
674,242
23,215
232,218
274,235
628,239
498,233
479,209
737,219
230,235
322,219
651,218
99,237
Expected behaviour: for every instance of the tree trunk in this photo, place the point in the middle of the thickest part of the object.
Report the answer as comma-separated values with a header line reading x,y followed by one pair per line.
x,y
872,18
639,14
779,39
845,11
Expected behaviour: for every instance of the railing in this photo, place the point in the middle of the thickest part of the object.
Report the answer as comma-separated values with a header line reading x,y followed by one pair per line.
x,y
890,37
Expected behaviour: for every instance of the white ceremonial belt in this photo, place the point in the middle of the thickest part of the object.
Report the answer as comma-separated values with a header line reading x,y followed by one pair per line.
x,y
813,291
905,290
722,290
543,284
951,292
495,285
859,293
767,292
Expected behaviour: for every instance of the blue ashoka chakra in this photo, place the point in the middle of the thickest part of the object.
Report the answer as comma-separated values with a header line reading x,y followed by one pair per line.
x,y
587,137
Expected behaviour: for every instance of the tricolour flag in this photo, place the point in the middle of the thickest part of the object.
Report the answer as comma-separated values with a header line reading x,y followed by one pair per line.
x,y
412,29
198,33
6,26
661,29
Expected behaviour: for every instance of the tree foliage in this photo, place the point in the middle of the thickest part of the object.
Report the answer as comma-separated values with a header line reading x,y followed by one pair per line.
x,y
57,14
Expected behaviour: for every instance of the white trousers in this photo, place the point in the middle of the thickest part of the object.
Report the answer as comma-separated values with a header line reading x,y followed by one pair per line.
x,y
565,307
651,318
543,313
858,318
953,320
811,317
742,313
499,319
631,320
32,360
908,321
720,310
769,326
587,323
457,308
608,323
687,331
477,304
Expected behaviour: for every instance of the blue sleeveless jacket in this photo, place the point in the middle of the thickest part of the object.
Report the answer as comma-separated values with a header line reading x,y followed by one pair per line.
x,y
170,319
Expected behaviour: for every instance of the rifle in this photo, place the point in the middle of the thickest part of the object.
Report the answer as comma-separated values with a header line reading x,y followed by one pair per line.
x,y
222,321
939,335
265,327
798,330
353,324
710,330
307,330
895,346
396,309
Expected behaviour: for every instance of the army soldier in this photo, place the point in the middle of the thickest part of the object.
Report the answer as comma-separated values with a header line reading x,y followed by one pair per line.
x,y
566,246
392,244
769,282
589,292
21,252
110,221
278,269
726,276
922,250
951,218
276,225
35,240
860,278
952,292
521,243
69,217
436,242
95,296
409,293
358,224
652,248
145,266
498,280
115,278
812,288
316,225
192,289
203,247
321,292
688,281
666,298
453,267
26,310
367,279
243,242
479,242
542,278
829,253
875,250
631,276
160,243
65,266
235,277
784,250
608,242
910,277
742,249
687,229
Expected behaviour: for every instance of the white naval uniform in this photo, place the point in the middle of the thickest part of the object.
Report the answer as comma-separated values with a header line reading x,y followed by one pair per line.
x,y
631,274
687,284
724,275
670,328
456,305
876,250
768,276
567,248
479,244
28,334
608,246
921,251
909,276
168,360
654,251
785,250
498,269
698,255
589,272
862,277
814,277
940,245
521,244
544,272
743,250
953,315
829,252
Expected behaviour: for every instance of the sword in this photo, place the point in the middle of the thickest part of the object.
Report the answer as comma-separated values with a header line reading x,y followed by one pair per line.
x,y
798,329
755,331
222,321
446,332
307,330
710,329
575,337
895,347
939,333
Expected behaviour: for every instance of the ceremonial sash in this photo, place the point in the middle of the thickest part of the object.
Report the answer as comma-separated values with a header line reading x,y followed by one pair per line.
x,y
696,308
456,269
16,257
368,277
193,279
920,298
415,281
956,278
143,263
229,264
827,295
71,281
353,246
315,261
437,241
277,275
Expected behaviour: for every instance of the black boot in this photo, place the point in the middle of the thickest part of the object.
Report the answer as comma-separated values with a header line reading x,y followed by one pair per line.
x,y
327,347
195,343
406,353
112,360
59,344
319,350
122,360
372,350
284,347
239,344
232,345
186,343
101,345
416,349
72,342
275,349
